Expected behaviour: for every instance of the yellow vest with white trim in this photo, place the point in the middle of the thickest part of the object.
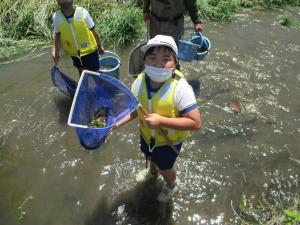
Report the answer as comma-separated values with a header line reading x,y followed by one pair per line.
x,y
76,37
162,103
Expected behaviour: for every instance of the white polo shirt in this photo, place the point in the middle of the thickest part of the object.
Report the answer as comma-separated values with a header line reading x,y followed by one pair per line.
x,y
184,97
88,19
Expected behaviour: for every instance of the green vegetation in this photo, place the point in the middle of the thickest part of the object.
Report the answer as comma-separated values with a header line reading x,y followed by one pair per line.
x,y
224,9
20,207
288,21
269,211
121,25
291,217
25,24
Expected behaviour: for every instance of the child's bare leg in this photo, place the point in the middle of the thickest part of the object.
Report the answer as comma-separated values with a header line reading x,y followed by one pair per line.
x,y
153,167
169,176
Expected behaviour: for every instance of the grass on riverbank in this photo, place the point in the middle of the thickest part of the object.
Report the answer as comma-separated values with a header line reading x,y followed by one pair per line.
x,y
288,21
224,10
27,23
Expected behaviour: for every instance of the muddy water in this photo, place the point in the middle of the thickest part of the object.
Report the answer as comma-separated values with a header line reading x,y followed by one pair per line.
x,y
252,157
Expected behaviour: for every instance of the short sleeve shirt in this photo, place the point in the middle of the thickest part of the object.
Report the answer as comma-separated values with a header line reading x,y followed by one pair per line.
x,y
184,97
88,19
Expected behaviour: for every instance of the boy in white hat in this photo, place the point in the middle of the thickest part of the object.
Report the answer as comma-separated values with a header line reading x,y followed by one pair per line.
x,y
172,107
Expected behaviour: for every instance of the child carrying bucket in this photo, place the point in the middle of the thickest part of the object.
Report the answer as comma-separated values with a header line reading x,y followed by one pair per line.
x,y
75,31
172,107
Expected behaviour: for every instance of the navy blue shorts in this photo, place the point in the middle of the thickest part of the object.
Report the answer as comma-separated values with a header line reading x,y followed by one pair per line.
x,y
89,61
163,156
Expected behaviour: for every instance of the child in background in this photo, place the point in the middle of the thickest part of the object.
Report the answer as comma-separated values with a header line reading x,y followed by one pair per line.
x,y
172,107
75,31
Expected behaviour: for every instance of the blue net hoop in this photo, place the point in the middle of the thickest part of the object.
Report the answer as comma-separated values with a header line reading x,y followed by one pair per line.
x,y
136,63
96,91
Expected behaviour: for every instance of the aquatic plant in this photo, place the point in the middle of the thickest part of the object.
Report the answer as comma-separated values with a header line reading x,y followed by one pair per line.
x,y
20,207
291,217
21,49
285,210
288,21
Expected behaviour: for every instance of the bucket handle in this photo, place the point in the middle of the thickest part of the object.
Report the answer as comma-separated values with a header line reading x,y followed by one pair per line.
x,y
106,52
193,33
197,34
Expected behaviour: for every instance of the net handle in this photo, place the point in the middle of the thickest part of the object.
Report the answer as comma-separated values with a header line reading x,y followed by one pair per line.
x,y
167,139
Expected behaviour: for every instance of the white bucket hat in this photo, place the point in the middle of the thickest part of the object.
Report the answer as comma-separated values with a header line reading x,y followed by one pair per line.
x,y
161,40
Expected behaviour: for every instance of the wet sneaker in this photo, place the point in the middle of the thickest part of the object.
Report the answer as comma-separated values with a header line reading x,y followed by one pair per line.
x,y
166,193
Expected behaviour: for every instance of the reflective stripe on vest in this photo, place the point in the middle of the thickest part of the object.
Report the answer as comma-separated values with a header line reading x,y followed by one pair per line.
x,y
161,103
76,38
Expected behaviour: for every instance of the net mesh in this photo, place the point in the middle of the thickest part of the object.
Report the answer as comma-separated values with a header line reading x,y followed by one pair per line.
x,y
64,83
96,92
136,61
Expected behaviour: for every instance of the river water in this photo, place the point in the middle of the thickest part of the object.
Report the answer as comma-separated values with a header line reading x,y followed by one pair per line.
x,y
251,159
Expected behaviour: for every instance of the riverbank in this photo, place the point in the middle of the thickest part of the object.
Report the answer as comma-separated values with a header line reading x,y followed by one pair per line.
x,y
25,25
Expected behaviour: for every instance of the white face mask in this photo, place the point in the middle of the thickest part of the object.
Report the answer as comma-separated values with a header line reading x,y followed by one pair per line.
x,y
158,74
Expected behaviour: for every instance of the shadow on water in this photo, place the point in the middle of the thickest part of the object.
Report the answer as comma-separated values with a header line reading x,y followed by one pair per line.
x,y
135,206
63,104
196,86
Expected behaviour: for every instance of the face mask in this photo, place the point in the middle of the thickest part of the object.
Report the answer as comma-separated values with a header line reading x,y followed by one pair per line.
x,y
158,74
66,4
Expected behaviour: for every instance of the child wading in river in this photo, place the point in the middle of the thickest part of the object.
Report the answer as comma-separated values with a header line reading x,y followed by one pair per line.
x,y
172,107
75,31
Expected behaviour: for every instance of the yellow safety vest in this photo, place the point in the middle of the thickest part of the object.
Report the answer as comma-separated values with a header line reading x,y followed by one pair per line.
x,y
76,38
162,103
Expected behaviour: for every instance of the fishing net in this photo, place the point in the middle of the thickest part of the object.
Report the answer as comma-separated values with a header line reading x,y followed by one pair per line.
x,y
64,83
99,103
136,61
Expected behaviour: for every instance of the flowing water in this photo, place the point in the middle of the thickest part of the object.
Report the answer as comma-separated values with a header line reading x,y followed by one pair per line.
x,y
250,159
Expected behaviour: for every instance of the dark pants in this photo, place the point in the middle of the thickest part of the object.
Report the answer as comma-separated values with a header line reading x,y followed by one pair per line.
x,y
89,61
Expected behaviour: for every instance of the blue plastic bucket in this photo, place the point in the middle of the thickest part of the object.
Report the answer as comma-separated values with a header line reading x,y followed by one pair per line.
x,y
202,51
197,39
110,64
186,50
